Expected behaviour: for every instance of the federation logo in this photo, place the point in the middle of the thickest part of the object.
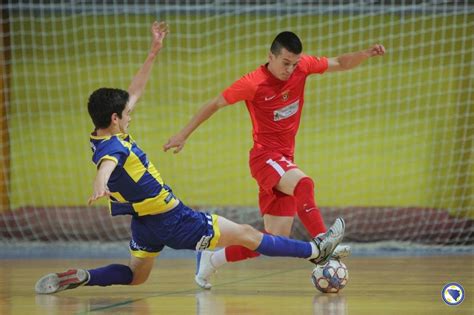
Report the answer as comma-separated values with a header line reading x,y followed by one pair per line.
x,y
453,293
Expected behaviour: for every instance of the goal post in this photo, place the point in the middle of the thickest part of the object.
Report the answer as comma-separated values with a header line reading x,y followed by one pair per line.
x,y
389,144
5,71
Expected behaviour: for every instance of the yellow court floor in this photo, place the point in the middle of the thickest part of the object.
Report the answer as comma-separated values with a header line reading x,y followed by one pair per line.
x,y
377,285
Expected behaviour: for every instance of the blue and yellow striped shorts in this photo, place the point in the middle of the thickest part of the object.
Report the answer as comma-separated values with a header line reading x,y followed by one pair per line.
x,y
179,228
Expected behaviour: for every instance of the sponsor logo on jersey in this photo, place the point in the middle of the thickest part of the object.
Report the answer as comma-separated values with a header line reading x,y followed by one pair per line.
x,y
286,111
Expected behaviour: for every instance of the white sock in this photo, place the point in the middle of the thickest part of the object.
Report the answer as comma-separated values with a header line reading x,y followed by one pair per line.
x,y
218,258
314,251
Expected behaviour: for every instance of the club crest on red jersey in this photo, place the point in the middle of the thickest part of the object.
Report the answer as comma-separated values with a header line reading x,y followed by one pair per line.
x,y
285,95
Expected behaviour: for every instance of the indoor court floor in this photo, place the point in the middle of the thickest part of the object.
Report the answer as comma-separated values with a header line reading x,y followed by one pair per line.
x,y
377,285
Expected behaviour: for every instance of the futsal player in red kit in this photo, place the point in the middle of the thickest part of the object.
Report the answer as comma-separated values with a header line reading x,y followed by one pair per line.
x,y
274,96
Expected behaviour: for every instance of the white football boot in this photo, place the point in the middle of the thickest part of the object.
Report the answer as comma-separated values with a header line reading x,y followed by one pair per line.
x,y
341,251
327,242
204,269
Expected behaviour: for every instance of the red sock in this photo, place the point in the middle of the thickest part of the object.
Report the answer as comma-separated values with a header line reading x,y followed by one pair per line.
x,y
237,253
308,211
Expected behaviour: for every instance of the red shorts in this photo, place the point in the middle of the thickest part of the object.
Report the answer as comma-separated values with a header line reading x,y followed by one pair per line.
x,y
267,167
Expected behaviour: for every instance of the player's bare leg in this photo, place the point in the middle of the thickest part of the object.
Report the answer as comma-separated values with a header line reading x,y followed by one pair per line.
x,y
277,225
141,268
232,233
207,262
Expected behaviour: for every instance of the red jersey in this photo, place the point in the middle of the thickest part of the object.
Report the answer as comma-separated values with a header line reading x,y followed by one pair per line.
x,y
275,106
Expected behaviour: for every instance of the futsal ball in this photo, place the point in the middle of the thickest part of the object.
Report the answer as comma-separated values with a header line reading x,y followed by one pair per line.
x,y
330,277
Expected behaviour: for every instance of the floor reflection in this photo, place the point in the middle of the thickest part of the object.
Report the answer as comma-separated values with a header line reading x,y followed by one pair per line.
x,y
329,304
57,304
209,303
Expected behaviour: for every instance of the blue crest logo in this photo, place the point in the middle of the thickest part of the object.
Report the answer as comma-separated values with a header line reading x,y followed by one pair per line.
x,y
453,293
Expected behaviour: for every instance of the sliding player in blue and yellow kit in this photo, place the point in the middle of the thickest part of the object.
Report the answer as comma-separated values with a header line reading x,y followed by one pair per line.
x,y
134,187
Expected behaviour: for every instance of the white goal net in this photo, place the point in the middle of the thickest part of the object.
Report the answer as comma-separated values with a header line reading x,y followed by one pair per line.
x,y
389,144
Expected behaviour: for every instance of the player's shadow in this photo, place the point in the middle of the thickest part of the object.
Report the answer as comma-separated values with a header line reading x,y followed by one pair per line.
x,y
329,304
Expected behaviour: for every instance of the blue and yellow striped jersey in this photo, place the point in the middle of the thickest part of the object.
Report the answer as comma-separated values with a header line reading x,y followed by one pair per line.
x,y
135,184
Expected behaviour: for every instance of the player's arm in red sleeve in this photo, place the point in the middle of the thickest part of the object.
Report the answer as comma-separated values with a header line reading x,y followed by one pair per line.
x,y
236,92
313,64
351,60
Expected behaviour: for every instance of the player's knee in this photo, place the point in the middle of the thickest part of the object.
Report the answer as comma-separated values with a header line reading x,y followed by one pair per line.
x,y
289,181
140,270
306,182
139,279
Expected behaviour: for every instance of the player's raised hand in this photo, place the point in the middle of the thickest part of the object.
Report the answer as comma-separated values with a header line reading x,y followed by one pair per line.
x,y
175,141
376,50
159,30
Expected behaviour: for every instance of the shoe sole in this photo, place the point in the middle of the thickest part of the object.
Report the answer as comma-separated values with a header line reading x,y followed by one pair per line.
x,y
55,282
47,284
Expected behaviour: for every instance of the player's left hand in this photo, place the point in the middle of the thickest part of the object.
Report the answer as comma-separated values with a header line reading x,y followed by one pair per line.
x,y
376,50
159,30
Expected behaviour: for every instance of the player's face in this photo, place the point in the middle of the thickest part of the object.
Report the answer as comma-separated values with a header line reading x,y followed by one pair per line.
x,y
125,120
283,64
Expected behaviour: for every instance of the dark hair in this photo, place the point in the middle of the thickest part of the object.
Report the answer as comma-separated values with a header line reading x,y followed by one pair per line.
x,y
287,40
103,103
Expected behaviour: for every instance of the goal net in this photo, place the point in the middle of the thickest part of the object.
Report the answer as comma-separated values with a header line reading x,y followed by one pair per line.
x,y
388,144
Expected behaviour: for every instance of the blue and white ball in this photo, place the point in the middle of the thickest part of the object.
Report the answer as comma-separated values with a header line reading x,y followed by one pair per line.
x,y
330,277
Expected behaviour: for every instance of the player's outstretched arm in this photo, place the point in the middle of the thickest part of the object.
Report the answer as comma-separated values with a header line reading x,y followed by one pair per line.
x,y
100,183
178,140
352,60
158,31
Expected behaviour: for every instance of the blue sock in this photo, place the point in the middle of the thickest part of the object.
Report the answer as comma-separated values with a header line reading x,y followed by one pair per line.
x,y
273,245
111,274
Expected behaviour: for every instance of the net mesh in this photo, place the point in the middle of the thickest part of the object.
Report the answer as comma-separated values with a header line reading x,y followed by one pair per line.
x,y
389,144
